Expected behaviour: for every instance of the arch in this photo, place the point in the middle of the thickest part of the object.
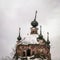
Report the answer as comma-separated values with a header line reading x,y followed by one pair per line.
x,y
23,53
28,52
33,52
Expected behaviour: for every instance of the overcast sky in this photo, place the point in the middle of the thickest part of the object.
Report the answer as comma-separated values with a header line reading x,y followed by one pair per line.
x,y
20,13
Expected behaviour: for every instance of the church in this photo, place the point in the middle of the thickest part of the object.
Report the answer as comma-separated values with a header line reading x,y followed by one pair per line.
x,y
34,45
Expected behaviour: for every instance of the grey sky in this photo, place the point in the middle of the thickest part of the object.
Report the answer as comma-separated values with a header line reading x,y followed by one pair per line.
x,y
20,13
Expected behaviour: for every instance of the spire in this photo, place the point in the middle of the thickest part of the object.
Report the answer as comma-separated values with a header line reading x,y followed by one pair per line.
x,y
19,31
19,37
40,30
35,15
41,36
48,38
47,35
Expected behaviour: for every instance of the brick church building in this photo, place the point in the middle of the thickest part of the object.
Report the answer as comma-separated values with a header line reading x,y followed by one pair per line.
x,y
33,46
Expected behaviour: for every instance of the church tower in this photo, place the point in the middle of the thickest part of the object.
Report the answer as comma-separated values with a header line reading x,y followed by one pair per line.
x,y
34,24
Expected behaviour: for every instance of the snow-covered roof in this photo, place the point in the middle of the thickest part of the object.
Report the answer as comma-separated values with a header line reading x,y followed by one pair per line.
x,y
30,39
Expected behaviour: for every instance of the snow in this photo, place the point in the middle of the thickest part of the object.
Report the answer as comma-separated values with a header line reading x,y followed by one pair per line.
x,y
30,39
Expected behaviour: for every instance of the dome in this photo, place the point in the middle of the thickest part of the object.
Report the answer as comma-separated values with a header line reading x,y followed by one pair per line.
x,y
34,23
19,38
40,37
48,42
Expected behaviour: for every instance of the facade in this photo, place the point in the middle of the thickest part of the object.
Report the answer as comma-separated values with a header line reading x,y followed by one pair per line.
x,y
38,48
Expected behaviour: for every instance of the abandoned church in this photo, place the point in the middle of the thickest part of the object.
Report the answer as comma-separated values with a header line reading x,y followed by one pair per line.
x,y
34,45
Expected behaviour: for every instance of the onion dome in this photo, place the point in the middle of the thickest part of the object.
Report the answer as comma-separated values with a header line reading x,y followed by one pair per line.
x,y
48,42
48,46
34,23
19,37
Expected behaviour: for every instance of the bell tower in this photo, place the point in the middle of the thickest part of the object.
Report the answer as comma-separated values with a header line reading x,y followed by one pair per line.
x,y
34,24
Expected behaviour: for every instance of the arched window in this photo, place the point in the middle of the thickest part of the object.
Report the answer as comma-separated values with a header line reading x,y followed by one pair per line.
x,y
28,52
33,53
23,53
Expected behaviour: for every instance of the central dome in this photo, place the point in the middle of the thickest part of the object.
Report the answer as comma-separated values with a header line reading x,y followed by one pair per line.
x,y
34,23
